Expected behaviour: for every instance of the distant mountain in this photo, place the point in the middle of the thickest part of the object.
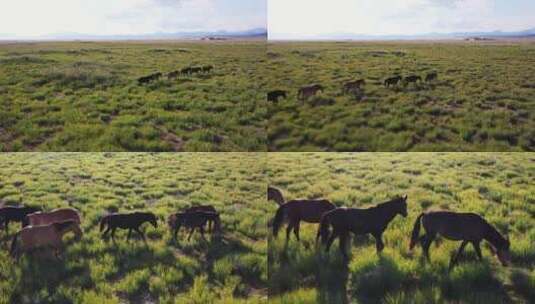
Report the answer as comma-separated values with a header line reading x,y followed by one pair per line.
x,y
216,35
456,35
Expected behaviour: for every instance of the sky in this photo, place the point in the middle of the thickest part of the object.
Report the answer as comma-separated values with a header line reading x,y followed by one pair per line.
x,y
308,18
34,18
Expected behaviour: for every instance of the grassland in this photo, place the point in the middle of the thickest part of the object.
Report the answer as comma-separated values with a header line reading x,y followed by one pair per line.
x,y
83,96
483,100
229,269
499,186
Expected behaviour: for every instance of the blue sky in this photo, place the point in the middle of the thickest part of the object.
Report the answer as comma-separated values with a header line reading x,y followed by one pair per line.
x,y
33,18
307,18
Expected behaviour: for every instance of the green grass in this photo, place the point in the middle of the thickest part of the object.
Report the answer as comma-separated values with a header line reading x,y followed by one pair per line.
x,y
83,96
498,186
230,269
483,99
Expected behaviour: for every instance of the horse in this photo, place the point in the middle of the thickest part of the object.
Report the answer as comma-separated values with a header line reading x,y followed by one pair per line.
x,y
372,220
33,237
275,195
185,71
173,75
295,211
56,215
431,76
15,214
130,221
392,81
205,208
207,68
193,220
306,92
412,79
353,86
465,227
276,94
149,78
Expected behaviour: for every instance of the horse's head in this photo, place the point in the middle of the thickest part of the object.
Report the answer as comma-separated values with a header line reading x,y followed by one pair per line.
x,y
153,220
402,205
503,253
68,226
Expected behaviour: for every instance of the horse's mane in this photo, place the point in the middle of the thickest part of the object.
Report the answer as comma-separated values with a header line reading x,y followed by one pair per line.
x,y
395,200
495,237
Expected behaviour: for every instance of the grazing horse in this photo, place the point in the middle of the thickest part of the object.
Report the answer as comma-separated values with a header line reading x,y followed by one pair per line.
x,y
431,76
15,214
412,79
193,220
173,75
33,237
130,221
185,71
149,78
207,68
204,208
465,227
295,211
276,94
372,220
275,195
353,86
56,215
306,92
392,81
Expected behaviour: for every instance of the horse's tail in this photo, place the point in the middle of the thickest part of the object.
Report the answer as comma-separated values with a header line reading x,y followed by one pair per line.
x,y
323,230
103,223
416,231
279,218
14,244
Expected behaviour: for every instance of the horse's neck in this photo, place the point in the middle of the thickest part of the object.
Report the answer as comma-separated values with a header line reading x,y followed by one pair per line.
x,y
493,236
389,213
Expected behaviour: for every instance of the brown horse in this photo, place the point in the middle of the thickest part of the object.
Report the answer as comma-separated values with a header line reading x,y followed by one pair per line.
x,y
306,92
56,215
465,227
276,94
353,86
33,237
193,220
392,81
274,194
130,221
295,211
205,208
15,214
372,220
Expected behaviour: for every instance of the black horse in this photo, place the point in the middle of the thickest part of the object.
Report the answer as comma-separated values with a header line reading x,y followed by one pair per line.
x,y
15,214
130,221
276,94
149,78
412,79
372,220
431,76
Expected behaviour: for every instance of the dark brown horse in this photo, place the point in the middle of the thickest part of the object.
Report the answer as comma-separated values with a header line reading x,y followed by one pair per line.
x,y
34,237
308,91
274,194
274,96
392,81
193,220
353,86
431,76
465,227
412,79
204,208
130,221
295,211
372,220
15,214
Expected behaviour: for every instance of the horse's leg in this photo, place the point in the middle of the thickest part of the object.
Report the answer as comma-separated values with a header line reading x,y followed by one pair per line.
x,y
289,230
105,233
379,245
191,233
478,250
201,229
140,233
129,234
343,241
454,260
427,239
330,241
296,231
113,233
